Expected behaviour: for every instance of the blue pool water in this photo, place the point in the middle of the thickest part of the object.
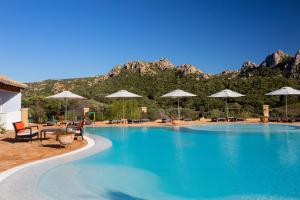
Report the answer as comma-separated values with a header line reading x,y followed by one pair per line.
x,y
196,162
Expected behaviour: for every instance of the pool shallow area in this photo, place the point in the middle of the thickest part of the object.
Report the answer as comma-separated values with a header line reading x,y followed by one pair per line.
x,y
196,162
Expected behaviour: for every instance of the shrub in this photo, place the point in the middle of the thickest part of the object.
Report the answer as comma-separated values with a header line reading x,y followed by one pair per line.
x,y
215,113
2,129
154,114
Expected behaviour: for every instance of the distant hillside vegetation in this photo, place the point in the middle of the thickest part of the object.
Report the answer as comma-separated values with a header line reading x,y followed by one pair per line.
x,y
152,79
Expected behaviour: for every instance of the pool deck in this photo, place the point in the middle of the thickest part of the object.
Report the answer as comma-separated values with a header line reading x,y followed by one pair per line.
x,y
22,181
14,154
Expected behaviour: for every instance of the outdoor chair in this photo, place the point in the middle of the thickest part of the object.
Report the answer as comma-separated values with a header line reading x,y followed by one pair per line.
x,y
51,123
166,120
288,119
297,119
218,119
240,119
78,129
22,132
145,120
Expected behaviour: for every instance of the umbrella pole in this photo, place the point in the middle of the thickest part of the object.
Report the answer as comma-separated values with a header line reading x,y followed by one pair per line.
x,y
286,108
123,109
226,107
178,109
66,108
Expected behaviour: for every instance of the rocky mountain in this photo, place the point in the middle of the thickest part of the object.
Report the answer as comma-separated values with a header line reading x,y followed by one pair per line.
x,y
279,63
152,68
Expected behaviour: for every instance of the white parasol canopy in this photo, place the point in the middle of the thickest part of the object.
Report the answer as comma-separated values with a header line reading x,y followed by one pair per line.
x,y
284,91
226,94
178,94
65,95
123,94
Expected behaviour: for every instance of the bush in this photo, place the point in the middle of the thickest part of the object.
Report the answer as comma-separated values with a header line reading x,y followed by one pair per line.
x,y
2,129
215,113
154,114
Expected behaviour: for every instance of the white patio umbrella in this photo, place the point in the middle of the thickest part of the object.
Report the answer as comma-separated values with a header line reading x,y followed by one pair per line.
x,y
65,95
285,91
226,94
123,94
178,94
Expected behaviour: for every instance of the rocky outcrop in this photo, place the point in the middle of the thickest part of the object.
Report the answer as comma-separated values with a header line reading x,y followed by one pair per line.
x,y
187,69
295,67
152,68
163,64
274,59
232,73
114,71
279,63
141,67
58,87
248,68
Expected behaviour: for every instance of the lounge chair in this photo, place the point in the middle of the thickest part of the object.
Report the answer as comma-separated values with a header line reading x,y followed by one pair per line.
x,y
78,129
144,120
51,123
240,119
274,119
218,119
114,121
297,119
288,119
22,132
166,120
187,119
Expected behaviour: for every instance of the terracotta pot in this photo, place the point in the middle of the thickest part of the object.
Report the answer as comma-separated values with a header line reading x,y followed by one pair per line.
x,y
66,139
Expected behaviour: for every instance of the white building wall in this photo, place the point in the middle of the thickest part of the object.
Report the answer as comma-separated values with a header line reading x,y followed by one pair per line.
x,y
10,106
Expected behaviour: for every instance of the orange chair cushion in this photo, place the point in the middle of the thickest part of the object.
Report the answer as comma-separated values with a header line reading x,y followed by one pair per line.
x,y
20,126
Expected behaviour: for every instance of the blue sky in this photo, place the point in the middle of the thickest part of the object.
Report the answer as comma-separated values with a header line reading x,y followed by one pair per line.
x,y
53,39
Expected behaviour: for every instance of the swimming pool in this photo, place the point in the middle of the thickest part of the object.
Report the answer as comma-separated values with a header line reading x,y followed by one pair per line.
x,y
196,162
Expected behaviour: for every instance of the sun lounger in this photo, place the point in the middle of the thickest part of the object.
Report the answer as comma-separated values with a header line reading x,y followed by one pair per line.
x,y
131,121
114,121
22,132
274,119
218,119
137,121
166,120
187,119
297,119
145,120
51,123
239,119
288,119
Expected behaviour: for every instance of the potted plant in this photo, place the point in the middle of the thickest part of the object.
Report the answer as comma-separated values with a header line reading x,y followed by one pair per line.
x,y
65,138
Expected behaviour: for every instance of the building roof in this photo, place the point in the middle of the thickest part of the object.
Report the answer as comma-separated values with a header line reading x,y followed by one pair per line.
x,y
10,82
